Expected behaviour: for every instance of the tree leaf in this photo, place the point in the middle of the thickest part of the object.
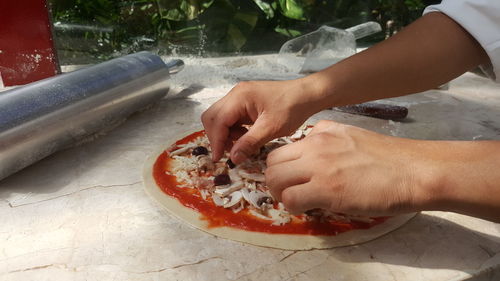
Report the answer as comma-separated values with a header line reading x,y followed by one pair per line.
x,y
266,8
181,10
292,9
288,32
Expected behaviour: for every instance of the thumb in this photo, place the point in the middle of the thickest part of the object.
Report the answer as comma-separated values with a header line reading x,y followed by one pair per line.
x,y
259,134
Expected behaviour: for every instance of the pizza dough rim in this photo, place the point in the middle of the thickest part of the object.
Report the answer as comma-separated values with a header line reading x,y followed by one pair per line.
x,y
272,240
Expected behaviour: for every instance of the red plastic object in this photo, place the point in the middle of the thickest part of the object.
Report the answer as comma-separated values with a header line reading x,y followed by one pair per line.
x,y
27,51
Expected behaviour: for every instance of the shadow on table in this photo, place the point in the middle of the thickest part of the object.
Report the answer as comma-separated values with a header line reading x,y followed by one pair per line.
x,y
426,242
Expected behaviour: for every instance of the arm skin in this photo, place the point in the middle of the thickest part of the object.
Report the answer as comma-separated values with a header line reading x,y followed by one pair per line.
x,y
426,54
348,169
351,170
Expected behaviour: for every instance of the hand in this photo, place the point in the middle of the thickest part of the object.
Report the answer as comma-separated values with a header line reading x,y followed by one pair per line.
x,y
346,169
275,108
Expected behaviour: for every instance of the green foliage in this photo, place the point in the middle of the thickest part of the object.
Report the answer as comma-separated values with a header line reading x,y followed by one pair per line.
x,y
293,9
181,10
211,27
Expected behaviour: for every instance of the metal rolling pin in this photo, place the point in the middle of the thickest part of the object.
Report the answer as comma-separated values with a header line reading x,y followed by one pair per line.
x,y
41,118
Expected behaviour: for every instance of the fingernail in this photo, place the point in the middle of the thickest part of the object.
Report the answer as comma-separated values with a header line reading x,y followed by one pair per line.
x,y
239,156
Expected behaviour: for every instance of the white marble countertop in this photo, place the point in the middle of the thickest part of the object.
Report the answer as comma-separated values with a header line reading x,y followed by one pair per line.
x,y
82,214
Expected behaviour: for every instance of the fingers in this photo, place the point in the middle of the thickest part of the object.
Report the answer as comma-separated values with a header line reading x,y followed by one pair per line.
x,y
323,125
303,197
285,153
235,133
218,120
281,176
259,134
217,135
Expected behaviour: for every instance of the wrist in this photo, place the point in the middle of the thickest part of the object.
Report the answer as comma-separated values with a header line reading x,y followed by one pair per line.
x,y
458,177
430,182
319,90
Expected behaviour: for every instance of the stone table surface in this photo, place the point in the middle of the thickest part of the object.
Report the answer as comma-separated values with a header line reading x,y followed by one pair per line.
x,y
82,213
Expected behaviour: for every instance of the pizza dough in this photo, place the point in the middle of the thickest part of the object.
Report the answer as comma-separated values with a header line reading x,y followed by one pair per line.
x,y
280,241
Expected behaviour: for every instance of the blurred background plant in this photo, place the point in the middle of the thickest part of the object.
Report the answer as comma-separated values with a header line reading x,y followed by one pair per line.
x,y
88,31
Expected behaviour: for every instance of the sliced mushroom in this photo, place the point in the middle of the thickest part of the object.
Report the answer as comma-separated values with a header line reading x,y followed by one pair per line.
x,y
297,135
251,185
234,175
238,207
255,198
205,162
251,176
183,149
234,198
217,200
225,190
259,215
220,169
307,131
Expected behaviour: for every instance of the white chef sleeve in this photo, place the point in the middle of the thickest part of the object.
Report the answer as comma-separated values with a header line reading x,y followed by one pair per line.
x,y
481,18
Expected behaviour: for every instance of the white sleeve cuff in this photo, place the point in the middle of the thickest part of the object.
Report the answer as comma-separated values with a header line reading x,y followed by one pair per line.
x,y
481,18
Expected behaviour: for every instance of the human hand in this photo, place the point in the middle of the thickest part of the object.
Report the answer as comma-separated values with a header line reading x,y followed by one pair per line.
x,y
275,108
347,169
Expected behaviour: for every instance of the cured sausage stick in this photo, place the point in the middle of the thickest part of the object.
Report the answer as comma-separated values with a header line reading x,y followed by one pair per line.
x,y
376,110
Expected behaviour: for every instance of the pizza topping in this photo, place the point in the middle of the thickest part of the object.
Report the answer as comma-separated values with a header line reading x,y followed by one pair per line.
x,y
238,207
205,163
280,216
230,163
222,179
224,190
265,200
259,215
204,194
184,164
200,150
243,186
297,135
232,199
182,149
255,197
252,176
234,175
217,200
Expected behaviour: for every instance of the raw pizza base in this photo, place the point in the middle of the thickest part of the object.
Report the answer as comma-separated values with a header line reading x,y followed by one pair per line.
x,y
280,241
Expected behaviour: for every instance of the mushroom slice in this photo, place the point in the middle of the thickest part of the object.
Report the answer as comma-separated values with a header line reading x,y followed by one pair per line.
x,y
224,190
237,208
204,193
205,161
246,194
234,175
183,149
234,198
220,169
251,185
251,176
307,130
297,135
259,215
217,200
255,198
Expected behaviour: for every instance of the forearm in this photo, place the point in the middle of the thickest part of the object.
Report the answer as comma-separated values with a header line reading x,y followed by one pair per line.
x,y
424,55
461,177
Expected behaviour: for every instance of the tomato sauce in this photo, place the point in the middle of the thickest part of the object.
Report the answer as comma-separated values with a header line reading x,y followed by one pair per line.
x,y
218,216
